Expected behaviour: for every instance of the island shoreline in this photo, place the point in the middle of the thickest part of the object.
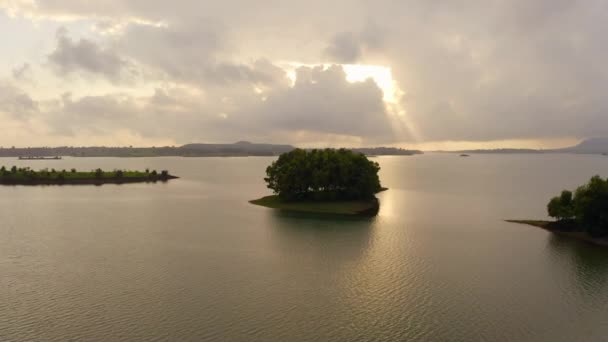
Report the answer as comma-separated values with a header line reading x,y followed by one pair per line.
x,y
369,207
550,226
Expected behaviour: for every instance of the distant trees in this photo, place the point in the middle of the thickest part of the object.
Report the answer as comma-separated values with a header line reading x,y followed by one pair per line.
x,y
323,174
588,207
98,173
26,175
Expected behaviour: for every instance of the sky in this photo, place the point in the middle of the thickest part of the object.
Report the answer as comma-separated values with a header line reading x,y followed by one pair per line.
x,y
429,74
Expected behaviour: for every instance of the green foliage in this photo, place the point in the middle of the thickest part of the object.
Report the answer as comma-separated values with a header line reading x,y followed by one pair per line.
x,y
589,207
562,207
323,174
25,175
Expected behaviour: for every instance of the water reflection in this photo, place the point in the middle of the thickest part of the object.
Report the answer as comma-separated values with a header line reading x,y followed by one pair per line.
x,y
588,263
330,238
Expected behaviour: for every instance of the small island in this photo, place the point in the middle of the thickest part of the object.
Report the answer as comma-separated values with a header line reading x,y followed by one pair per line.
x,y
327,181
582,215
27,176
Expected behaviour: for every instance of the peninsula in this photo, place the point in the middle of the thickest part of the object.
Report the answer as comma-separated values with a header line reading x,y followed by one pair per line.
x,y
325,181
27,176
580,216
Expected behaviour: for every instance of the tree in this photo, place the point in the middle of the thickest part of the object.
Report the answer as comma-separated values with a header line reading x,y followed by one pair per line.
x,y
591,206
99,173
588,207
562,207
119,173
323,174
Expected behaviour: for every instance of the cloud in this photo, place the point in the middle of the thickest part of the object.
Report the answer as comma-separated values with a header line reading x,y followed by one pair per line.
x,y
473,71
321,100
86,56
349,47
15,103
320,106
23,72
344,48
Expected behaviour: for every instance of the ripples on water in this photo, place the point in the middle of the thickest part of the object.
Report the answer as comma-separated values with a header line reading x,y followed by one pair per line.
x,y
192,260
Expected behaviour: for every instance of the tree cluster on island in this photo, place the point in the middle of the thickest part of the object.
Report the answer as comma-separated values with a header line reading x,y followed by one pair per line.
x,y
585,210
323,174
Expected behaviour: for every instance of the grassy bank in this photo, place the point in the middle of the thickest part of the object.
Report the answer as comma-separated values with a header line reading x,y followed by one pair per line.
x,y
341,207
568,230
26,176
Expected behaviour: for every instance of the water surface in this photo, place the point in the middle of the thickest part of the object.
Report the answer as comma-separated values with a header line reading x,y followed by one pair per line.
x,y
191,260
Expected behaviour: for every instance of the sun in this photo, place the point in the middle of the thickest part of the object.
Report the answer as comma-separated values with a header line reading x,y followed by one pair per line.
x,y
381,75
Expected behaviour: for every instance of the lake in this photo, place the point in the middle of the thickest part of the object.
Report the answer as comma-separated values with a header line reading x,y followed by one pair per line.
x,y
192,260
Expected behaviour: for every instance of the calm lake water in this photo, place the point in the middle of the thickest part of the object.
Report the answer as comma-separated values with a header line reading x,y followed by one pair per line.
x,y
191,260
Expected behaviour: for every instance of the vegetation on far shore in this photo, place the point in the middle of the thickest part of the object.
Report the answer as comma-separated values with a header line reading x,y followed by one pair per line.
x,y
328,181
27,176
583,215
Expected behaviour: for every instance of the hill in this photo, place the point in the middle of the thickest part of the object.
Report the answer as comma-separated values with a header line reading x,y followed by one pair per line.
x,y
592,145
587,146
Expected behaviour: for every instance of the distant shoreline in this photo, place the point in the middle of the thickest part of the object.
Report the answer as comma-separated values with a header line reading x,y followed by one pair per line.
x,y
552,227
239,149
91,181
